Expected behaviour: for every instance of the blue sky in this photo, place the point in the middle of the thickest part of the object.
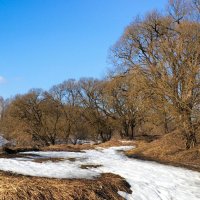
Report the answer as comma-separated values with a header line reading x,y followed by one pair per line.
x,y
44,42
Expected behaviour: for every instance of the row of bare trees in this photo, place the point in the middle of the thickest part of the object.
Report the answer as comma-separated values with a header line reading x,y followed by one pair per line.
x,y
85,109
155,87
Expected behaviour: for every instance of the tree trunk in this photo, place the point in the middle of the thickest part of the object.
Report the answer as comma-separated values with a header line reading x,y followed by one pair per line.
x,y
191,140
102,137
189,130
132,131
125,129
166,124
105,136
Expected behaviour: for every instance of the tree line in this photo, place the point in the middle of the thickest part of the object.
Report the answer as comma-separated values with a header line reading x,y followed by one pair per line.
x,y
154,88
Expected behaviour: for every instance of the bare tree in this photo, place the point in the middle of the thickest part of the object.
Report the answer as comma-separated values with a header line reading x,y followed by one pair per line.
x,y
167,55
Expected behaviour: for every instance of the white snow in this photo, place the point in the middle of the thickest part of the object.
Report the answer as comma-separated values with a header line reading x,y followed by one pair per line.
x,y
3,141
148,180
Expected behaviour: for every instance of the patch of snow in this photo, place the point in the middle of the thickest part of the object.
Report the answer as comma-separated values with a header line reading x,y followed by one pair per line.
x,y
85,142
64,169
3,141
148,180
125,195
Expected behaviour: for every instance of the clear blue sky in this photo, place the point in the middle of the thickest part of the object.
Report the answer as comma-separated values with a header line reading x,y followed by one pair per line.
x,y
44,42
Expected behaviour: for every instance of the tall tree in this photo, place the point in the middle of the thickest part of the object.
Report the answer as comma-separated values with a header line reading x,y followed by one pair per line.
x,y
167,54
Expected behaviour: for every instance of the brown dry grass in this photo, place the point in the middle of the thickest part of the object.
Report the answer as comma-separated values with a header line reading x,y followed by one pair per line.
x,y
17,187
170,149
90,166
67,147
40,160
79,148
115,143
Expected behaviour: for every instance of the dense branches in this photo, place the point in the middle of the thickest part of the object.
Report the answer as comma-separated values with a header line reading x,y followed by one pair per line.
x,y
166,49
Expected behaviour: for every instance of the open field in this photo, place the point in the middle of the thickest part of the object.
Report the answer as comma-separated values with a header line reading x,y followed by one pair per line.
x,y
96,172
18,187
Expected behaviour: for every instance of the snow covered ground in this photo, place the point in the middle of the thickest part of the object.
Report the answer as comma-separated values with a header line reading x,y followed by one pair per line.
x,y
148,180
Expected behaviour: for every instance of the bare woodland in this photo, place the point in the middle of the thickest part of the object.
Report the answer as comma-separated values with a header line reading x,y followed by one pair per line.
x,y
153,88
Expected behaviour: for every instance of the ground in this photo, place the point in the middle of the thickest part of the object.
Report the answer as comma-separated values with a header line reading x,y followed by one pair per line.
x,y
18,187
145,180
169,149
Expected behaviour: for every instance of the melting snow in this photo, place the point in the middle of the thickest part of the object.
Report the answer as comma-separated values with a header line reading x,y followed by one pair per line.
x,y
148,180
3,141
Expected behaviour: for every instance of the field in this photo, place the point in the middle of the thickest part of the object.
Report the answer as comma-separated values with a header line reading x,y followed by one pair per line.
x,y
99,172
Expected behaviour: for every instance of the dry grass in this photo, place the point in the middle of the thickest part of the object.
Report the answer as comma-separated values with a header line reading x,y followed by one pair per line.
x,y
115,143
82,147
90,166
41,160
17,187
66,147
170,149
